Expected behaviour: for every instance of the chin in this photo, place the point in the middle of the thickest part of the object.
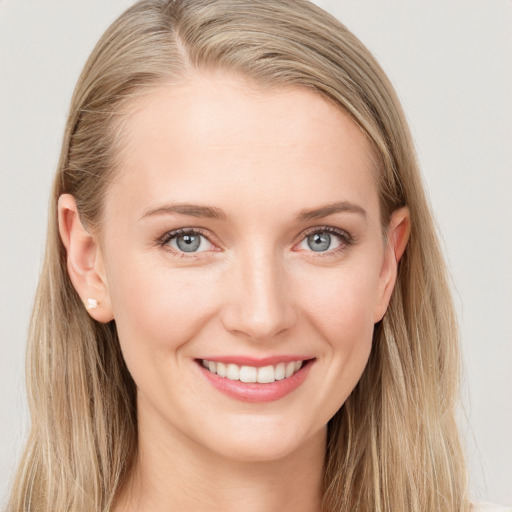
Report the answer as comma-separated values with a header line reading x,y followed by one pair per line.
x,y
263,441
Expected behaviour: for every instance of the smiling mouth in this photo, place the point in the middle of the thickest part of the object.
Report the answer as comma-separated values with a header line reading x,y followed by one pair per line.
x,y
252,374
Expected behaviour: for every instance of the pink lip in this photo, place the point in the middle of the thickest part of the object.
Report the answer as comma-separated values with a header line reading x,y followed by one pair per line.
x,y
254,391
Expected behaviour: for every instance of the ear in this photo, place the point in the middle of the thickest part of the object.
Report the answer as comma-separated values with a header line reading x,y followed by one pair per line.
x,y
398,233
84,261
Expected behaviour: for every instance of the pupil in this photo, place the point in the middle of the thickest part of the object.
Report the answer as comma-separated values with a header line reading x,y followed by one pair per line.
x,y
319,242
188,243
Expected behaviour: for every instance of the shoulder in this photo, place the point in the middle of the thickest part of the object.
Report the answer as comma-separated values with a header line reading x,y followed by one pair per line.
x,y
489,507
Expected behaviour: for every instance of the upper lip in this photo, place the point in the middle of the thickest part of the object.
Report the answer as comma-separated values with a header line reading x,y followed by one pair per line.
x,y
257,361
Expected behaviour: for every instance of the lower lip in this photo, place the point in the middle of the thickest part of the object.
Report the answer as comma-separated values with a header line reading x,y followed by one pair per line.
x,y
254,391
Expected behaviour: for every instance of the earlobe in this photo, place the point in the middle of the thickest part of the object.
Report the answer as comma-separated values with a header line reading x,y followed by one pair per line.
x,y
398,234
84,261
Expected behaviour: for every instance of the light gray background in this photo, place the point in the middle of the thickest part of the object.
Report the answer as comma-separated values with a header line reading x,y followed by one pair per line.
x,y
451,64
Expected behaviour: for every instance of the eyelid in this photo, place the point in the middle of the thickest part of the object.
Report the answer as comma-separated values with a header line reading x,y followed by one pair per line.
x,y
329,229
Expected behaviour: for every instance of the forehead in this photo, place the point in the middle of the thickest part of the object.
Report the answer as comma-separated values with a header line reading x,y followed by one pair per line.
x,y
213,135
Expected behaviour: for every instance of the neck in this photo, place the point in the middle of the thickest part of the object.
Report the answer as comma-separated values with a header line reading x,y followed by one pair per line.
x,y
173,473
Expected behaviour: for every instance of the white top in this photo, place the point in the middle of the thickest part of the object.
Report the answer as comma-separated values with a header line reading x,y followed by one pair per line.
x,y
489,507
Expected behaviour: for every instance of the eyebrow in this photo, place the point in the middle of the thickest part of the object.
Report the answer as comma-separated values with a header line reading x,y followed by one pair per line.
x,y
330,209
193,210
211,212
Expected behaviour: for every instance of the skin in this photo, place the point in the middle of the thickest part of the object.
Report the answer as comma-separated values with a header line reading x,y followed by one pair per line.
x,y
254,289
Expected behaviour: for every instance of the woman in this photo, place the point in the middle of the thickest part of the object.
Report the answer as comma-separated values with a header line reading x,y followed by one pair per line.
x,y
252,307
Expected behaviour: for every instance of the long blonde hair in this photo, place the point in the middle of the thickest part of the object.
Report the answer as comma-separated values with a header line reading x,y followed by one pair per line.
x,y
394,445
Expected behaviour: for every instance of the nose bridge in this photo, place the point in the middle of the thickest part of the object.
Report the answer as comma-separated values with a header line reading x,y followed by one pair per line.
x,y
259,304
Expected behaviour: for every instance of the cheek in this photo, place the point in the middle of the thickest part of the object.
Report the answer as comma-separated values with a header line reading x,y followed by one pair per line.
x,y
349,328
158,309
342,304
341,312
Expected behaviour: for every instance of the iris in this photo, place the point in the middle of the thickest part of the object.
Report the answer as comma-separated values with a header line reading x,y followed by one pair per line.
x,y
188,242
319,242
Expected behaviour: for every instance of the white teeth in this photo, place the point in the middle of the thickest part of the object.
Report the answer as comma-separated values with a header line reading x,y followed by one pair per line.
x,y
233,372
248,374
221,369
266,374
280,372
263,374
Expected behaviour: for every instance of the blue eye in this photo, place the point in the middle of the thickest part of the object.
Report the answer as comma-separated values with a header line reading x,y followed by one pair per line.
x,y
319,242
187,241
325,240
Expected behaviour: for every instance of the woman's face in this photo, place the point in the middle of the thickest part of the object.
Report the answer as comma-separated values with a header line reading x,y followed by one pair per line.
x,y
243,233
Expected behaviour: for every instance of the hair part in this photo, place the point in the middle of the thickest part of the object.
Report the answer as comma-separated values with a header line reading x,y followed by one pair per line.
x,y
394,444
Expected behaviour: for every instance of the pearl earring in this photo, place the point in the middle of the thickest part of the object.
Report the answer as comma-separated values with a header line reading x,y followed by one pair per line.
x,y
92,303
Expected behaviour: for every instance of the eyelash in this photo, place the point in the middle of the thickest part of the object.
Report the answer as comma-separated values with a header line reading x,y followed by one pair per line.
x,y
346,240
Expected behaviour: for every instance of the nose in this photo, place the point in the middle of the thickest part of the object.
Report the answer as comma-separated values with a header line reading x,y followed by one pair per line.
x,y
259,301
